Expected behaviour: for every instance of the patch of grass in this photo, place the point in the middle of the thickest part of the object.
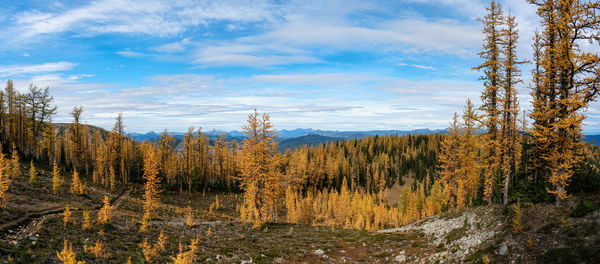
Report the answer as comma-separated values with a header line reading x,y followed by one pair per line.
x,y
478,255
398,237
452,215
419,244
350,239
547,228
583,208
571,255
384,254
455,234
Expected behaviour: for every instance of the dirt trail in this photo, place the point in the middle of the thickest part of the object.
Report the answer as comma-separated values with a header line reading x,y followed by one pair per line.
x,y
26,225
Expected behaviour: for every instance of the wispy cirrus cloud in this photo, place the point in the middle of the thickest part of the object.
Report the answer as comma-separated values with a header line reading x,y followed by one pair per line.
x,y
131,54
18,70
306,39
150,17
173,47
424,67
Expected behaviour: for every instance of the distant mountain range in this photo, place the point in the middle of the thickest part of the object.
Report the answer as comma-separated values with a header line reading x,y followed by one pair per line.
x,y
293,133
293,138
290,139
594,139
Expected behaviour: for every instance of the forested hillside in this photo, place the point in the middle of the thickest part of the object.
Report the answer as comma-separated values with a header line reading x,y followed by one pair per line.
x,y
373,163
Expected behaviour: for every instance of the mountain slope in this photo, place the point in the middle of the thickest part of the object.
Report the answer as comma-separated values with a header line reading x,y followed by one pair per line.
x,y
308,140
550,234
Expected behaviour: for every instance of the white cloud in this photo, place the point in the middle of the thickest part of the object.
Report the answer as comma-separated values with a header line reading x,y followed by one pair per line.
x,y
131,54
304,39
151,17
314,78
17,70
473,8
173,47
424,67
177,101
335,100
291,33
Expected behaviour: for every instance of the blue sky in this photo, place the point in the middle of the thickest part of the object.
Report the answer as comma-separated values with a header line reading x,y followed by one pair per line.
x,y
340,65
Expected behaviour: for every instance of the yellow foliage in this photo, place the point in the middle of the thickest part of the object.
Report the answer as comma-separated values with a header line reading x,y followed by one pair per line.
x,y
5,180
151,251
162,241
67,216
56,181
99,250
517,226
87,220
151,187
15,163
259,175
361,210
66,255
105,213
32,173
112,178
216,205
565,81
95,177
459,166
189,256
188,215
76,185
491,67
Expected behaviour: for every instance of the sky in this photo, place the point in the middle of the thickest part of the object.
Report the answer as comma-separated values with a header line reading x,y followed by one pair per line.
x,y
334,65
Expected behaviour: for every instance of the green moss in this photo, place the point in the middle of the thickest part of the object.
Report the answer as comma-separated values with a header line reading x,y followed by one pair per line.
x,y
583,208
571,255
478,255
384,254
455,234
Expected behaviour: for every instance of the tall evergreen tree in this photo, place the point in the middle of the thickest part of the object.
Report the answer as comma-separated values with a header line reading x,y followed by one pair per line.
x,y
568,79
260,177
510,105
492,76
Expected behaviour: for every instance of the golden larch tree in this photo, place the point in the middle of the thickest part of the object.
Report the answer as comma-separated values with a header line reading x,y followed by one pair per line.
x,y
151,251
106,211
15,163
32,173
99,250
188,256
468,154
567,81
67,255
56,181
151,186
260,177
5,179
510,106
87,220
492,76
76,184
67,216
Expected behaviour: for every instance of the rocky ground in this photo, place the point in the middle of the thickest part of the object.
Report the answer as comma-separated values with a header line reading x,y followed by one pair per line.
x,y
31,231
567,233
